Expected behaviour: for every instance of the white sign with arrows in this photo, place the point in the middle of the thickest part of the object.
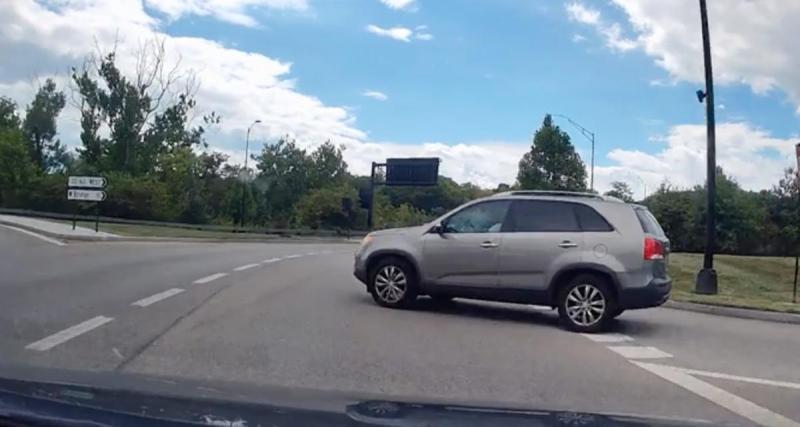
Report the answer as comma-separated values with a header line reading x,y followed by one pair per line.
x,y
87,181
86,195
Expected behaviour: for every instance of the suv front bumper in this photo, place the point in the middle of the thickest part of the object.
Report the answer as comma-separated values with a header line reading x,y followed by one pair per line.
x,y
655,293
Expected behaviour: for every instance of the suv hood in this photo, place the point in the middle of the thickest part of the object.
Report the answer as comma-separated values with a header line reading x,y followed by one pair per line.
x,y
110,398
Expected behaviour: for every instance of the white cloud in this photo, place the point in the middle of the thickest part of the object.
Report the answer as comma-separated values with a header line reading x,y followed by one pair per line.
x,y
398,33
611,32
233,11
374,94
750,155
401,33
577,38
400,4
240,86
750,40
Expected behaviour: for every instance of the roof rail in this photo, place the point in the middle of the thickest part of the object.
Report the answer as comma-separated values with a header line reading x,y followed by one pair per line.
x,y
551,193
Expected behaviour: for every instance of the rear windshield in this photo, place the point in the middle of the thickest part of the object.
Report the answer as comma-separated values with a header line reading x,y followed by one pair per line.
x,y
649,223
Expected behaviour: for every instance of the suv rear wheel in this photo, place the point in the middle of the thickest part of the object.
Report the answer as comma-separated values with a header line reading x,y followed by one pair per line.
x,y
586,304
393,283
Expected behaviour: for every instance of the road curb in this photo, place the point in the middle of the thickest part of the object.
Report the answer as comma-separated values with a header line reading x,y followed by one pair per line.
x,y
59,235
275,239
743,313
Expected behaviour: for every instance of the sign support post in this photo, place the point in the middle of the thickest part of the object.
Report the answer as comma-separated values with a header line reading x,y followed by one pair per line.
x,y
87,189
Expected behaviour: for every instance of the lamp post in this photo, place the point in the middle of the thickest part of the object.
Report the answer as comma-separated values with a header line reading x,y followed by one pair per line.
x,y
707,278
244,183
590,136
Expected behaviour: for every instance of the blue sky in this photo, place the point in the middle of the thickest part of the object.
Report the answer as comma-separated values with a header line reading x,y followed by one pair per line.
x,y
489,71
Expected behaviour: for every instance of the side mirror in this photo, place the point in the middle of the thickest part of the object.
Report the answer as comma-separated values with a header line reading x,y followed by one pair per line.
x,y
438,229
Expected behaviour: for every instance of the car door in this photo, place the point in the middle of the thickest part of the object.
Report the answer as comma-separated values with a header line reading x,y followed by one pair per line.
x,y
465,252
543,236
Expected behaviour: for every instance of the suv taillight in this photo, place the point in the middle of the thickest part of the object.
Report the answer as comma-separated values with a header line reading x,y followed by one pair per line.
x,y
653,249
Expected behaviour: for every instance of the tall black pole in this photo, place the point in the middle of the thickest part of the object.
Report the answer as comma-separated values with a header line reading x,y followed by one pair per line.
x,y
371,197
707,277
591,179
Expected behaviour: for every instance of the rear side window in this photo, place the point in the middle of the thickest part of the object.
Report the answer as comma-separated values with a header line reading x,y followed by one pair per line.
x,y
590,220
649,223
538,215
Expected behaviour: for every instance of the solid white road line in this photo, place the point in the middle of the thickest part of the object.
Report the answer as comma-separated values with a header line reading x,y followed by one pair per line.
x,y
245,267
608,337
68,334
144,302
210,278
637,352
729,401
36,235
752,380
271,260
311,253
292,256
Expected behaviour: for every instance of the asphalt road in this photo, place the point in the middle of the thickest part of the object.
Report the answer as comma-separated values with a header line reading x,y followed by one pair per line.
x,y
291,314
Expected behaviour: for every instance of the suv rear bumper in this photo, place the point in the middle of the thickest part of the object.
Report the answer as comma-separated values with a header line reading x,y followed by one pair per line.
x,y
360,271
655,293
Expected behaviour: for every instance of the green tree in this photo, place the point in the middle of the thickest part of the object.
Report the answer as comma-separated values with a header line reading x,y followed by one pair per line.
x,y
620,190
322,208
145,114
552,163
40,128
9,120
16,168
283,177
328,166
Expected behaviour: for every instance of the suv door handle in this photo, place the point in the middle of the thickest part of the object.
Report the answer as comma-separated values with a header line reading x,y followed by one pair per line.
x,y
567,244
489,245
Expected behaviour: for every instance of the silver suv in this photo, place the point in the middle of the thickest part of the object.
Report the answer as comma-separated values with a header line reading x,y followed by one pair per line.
x,y
590,256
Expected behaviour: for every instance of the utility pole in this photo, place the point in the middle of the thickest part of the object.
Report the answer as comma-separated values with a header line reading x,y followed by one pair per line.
x,y
590,136
245,173
707,277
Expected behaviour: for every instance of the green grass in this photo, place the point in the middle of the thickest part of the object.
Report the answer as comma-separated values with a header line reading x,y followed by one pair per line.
x,y
744,281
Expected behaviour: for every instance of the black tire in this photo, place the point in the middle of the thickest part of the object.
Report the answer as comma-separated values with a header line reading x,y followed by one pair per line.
x,y
594,320
386,268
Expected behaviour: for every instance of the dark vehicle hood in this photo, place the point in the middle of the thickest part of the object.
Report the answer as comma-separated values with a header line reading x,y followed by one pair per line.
x,y
91,399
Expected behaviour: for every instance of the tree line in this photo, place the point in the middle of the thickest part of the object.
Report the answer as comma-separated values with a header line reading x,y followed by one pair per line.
x,y
139,130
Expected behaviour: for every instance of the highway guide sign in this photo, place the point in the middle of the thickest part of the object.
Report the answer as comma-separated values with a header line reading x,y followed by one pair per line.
x,y
87,181
86,195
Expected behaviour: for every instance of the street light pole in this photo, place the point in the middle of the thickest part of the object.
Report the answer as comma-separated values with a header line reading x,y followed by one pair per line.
x,y
244,177
707,278
588,135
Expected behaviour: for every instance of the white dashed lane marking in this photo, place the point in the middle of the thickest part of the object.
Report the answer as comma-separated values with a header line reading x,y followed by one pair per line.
x,y
210,278
729,401
144,302
271,260
245,267
47,343
638,352
608,337
292,256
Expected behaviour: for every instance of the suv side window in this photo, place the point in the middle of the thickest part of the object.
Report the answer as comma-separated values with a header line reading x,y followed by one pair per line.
x,y
542,216
486,217
590,220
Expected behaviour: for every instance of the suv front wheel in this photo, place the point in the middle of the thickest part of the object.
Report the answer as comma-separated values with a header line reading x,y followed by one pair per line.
x,y
393,283
585,304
